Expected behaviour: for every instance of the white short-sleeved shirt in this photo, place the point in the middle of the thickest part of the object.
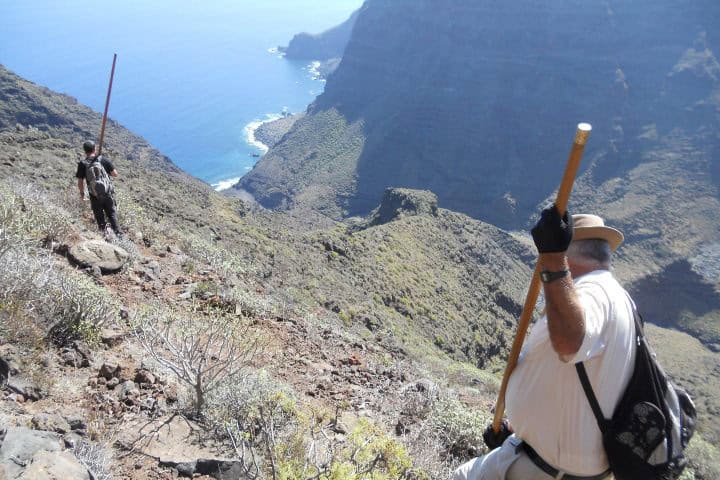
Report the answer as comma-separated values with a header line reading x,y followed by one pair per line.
x,y
545,402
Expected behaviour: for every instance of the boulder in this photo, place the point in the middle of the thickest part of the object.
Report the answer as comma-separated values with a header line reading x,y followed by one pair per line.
x,y
109,370
25,387
19,446
51,423
54,466
98,254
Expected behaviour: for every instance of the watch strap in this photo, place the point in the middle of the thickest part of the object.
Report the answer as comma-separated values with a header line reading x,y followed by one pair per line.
x,y
548,276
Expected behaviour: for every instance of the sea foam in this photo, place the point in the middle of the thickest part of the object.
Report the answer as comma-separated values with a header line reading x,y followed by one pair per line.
x,y
225,184
252,127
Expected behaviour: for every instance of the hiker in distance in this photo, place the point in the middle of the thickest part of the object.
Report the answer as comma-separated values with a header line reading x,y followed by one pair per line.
x,y
96,170
552,432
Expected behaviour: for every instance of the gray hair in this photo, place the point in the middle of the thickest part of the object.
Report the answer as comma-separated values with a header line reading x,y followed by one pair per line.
x,y
593,250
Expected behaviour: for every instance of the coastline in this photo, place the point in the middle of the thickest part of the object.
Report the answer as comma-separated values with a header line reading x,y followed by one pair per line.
x,y
251,140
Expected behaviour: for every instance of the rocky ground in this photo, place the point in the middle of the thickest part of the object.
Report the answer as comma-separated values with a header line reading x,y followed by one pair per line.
x,y
111,395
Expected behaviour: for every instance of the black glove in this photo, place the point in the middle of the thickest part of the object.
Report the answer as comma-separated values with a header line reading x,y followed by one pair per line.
x,y
494,440
552,233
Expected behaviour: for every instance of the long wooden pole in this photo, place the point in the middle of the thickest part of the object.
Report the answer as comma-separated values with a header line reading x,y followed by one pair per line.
x,y
563,195
107,105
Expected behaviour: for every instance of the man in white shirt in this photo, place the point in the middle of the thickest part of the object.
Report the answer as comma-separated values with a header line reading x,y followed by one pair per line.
x,y
589,318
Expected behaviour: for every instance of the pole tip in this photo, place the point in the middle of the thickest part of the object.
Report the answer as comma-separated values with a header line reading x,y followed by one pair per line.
x,y
583,132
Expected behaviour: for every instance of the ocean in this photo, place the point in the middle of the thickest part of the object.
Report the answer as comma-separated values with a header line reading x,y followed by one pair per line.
x,y
193,78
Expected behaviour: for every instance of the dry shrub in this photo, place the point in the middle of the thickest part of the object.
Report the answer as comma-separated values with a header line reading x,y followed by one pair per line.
x,y
96,458
202,347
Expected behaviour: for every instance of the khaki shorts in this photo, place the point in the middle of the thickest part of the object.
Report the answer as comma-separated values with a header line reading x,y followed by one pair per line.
x,y
508,462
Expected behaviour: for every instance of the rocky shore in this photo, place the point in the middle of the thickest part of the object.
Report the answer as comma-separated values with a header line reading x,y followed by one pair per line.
x,y
270,133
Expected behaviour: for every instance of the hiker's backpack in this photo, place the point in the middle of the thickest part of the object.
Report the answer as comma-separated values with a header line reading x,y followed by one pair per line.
x,y
97,178
652,423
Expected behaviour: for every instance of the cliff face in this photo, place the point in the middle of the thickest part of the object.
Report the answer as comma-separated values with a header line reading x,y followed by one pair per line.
x,y
324,46
477,101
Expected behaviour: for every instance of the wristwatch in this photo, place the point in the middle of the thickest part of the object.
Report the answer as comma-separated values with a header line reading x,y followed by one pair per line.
x,y
547,276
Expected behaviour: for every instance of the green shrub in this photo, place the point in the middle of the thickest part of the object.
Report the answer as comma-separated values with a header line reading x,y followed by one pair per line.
x,y
30,214
704,460
80,308
458,427
276,438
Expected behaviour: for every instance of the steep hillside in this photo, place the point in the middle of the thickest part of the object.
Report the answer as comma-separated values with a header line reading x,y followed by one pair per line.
x,y
353,316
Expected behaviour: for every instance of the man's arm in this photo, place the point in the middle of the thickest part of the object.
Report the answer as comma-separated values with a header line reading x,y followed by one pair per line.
x,y
552,235
109,167
565,314
81,187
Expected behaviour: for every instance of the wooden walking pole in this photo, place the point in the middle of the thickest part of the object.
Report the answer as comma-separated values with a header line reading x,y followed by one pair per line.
x,y
563,195
107,105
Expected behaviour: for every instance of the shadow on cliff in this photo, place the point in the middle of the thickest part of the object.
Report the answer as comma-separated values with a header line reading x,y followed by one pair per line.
x,y
677,297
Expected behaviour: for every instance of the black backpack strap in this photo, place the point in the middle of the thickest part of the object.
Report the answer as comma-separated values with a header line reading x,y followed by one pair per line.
x,y
585,381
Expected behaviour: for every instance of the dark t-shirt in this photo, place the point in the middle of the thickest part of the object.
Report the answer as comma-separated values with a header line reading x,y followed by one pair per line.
x,y
81,167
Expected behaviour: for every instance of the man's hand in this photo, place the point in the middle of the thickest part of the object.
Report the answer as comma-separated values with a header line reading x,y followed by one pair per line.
x,y
553,233
492,439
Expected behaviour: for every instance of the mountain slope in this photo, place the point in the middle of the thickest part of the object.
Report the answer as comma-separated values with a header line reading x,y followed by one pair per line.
x,y
477,102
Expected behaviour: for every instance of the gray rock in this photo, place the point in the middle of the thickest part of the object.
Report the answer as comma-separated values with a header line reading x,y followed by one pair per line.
x,y
97,253
220,469
4,372
184,469
185,295
127,390
112,337
79,355
144,376
20,444
25,387
55,466
76,422
50,422
72,440
109,370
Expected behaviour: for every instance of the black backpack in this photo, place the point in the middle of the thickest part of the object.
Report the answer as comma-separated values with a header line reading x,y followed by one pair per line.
x,y
652,423
97,178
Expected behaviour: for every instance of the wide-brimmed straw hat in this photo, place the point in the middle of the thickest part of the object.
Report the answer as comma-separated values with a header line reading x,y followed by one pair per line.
x,y
591,226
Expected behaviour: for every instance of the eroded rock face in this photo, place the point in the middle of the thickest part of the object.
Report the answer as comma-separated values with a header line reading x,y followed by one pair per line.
x,y
399,202
97,253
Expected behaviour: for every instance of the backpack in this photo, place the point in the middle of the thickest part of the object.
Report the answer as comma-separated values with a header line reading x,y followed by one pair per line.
x,y
97,178
652,423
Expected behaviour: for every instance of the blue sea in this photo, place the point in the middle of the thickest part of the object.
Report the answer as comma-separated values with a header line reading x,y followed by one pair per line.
x,y
193,78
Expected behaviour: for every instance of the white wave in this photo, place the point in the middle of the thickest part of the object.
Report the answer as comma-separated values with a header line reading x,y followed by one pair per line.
x,y
314,69
252,127
225,184
276,51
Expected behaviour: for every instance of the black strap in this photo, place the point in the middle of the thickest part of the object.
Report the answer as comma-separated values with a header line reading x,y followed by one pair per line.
x,y
585,381
552,471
